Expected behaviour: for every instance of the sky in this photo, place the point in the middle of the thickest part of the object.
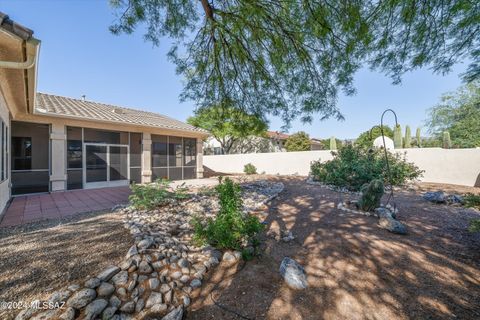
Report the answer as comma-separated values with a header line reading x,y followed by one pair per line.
x,y
79,56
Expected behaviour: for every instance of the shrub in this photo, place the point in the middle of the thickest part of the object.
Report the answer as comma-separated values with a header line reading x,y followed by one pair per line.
x,y
299,141
353,166
231,229
474,225
365,139
371,195
249,169
472,200
149,196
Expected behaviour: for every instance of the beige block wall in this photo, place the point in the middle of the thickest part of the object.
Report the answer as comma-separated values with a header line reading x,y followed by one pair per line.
x,y
454,166
5,185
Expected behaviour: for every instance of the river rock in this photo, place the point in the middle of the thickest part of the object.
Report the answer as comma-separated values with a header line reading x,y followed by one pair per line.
x,y
94,308
293,273
153,299
81,298
105,289
120,278
108,273
392,225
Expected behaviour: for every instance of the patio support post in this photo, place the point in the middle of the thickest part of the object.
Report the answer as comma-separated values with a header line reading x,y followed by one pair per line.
x,y
146,158
58,172
199,158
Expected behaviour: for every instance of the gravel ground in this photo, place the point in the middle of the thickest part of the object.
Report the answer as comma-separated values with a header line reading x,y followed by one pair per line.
x,y
355,269
41,257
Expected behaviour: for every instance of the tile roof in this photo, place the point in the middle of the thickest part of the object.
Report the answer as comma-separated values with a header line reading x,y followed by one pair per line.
x,y
53,105
15,28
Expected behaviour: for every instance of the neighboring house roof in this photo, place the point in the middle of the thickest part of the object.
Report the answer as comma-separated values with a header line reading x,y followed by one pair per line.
x,y
15,28
53,105
277,135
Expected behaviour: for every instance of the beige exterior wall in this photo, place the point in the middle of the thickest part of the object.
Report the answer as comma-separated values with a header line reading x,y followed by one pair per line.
x,y
5,184
454,166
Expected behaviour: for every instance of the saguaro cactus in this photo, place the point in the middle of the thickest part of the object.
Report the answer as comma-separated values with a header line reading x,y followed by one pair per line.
x,y
371,195
397,137
419,138
333,143
408,137
447,143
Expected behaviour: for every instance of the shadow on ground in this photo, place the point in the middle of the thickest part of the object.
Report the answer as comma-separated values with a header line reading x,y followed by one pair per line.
x,y
356,270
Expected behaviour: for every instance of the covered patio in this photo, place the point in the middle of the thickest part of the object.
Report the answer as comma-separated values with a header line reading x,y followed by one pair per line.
x,y
29,208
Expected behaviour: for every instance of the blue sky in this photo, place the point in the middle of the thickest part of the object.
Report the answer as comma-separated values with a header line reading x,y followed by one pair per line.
x,y
80,56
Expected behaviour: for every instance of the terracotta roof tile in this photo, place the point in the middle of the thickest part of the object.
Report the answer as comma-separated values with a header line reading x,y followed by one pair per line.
x,y
53,105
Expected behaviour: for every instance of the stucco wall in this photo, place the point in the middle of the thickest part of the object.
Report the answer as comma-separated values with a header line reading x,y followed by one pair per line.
x,y
5,184
455,166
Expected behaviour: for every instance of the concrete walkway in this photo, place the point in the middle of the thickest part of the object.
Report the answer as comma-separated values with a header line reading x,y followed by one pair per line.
x,y
29,208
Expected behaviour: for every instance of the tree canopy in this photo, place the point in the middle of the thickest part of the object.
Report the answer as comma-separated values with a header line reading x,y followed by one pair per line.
x,y
365,139
299,141
228,125
458,114
291,58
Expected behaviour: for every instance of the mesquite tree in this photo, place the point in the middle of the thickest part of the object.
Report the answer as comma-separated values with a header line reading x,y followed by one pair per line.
x,y
291,58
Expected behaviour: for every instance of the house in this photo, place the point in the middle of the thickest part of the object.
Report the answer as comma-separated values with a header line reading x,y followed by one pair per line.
x,y
273,141
51,143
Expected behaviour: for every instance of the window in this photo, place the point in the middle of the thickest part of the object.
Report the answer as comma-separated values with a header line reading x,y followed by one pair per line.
x,y
22,153
159,151
190,152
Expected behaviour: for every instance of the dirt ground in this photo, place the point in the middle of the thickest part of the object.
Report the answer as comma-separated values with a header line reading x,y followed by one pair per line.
x,y
355,269
38,258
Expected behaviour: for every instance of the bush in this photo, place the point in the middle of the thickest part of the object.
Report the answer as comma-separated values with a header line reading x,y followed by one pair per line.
x,y
249,169
299,141
371,195
474,225
149,196
353,166
230,229
472,200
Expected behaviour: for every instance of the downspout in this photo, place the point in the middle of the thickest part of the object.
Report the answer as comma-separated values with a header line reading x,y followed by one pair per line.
x,y
30,62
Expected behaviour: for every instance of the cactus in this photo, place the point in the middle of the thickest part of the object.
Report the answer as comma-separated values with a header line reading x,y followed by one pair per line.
x,y
371,195
408,137
333,143
419,138
397,137
447,143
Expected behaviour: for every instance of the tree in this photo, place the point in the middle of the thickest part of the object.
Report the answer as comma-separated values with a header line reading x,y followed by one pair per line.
x,y
459,114
228,125
299,141
365,139
291,58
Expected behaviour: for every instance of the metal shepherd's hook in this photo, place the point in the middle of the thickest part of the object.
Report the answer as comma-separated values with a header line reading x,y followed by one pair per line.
x,y
390,180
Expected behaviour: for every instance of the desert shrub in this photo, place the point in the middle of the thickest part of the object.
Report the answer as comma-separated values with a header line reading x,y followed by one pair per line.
x,y
231,229
472,200
474,225
152,195
249,169
353,166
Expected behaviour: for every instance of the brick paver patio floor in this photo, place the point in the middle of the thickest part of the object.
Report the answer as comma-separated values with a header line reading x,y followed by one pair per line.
x,y
29,208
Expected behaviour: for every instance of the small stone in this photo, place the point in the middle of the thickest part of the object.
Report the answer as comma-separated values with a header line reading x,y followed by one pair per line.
x,y
92,283
164,288
120,278
184,279
157,265
176,275
74,287
175,314
108,313
122,292
154,299
293,273
145,243
59,296
186,301
139,305
168,297
105,289
128,307
81,298
94,308
195,283
159,308
392,225
144,267
108,273
68,314
46,315
131,252
183,263
115,302
153,283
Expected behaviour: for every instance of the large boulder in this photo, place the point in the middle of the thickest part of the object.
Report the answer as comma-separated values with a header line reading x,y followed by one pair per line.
x,y
293,273
435,197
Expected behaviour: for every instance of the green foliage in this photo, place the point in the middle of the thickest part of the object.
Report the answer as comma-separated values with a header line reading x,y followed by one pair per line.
x,y
418,138
459,114
474,225
249,169
299,141
408,137
333,143
371,195
397,137
159,193
446,142
472,200
291,58
354,166
231,229
227,124
365,139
